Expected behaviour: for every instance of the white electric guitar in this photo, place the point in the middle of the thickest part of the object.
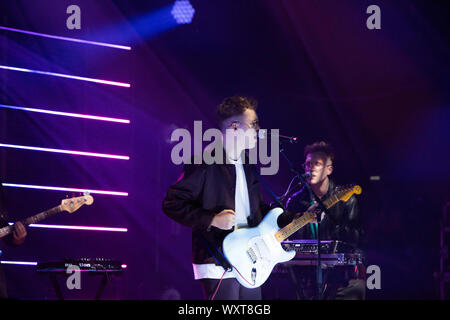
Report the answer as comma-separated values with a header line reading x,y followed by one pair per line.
x,y
253,252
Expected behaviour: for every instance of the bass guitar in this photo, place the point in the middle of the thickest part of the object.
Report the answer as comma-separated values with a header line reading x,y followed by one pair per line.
x,y
70,205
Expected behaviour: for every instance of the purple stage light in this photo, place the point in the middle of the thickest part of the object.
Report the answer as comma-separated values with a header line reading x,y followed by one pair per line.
x,y
68,76
33,263
79,153
182,11
66,114
27,186
67,227
103,44
21,263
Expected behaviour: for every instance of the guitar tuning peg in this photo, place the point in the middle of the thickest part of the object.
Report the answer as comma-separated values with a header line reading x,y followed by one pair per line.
x,y
86,193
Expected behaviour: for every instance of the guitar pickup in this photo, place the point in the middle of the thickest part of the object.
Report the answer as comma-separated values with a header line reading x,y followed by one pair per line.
x,y
252,255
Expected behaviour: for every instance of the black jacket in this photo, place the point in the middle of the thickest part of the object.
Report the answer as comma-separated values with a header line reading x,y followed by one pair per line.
x,y
200,193
343,221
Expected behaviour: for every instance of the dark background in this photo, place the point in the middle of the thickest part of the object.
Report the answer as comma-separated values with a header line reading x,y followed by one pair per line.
x,y
380,97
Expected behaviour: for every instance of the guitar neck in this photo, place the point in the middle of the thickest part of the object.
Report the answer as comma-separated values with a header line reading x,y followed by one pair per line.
x,y
33,219
307,217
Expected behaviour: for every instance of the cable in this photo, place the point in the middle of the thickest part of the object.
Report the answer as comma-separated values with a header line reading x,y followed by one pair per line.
x,y
225,263
252,284
218,285
288,189
226,270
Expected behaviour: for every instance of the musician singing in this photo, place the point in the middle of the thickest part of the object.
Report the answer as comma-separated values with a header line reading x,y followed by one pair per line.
x,y
213,199
342,222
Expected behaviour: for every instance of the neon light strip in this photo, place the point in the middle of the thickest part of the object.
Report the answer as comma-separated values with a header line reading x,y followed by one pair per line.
x,y
80,153
29,263
61,75
103,44
54,226
27,186
23,263
67,114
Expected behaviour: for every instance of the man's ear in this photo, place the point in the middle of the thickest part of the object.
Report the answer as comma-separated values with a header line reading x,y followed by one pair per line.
x,y
330,169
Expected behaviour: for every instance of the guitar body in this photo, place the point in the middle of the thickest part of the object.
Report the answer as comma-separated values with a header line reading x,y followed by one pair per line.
x,y
253,252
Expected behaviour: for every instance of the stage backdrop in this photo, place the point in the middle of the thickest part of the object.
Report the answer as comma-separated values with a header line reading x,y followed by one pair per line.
x,y
380,97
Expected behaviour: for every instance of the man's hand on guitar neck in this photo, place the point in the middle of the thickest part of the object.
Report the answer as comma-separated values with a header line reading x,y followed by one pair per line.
x,y
224,220
312,208
19,233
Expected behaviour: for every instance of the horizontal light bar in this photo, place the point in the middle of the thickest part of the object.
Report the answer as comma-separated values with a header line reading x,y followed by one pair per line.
x,y
22,263
103,44
30,263
27,186
54,226
67,114
79,153
68,76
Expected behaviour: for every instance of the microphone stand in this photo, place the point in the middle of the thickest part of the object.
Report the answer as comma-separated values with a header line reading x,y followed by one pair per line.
x,y
321,208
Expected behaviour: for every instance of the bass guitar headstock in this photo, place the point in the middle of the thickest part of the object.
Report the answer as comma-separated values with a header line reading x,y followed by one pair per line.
x,y
73,204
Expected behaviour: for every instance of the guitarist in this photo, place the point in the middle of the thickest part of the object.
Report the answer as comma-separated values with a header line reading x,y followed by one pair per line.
x,y
14,239
343,220
214,199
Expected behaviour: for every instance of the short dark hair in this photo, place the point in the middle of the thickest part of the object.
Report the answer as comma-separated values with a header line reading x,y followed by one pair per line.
x,y
234,106
321,146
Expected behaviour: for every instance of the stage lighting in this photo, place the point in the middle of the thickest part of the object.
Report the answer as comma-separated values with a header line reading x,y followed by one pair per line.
x,y
182,11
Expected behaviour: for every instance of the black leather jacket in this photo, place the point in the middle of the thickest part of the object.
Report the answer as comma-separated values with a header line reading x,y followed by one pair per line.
x,y
343,221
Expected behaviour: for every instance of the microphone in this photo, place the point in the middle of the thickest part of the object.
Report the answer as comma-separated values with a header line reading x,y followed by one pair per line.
x,y
263,133
307,175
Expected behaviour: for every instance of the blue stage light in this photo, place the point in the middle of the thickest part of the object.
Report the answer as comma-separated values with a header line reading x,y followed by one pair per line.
x,y
182,11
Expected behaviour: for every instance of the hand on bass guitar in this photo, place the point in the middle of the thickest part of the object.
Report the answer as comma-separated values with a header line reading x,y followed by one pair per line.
x,y
19,233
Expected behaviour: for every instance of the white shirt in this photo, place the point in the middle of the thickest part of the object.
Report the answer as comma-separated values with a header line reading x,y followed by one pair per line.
x,y
241,200
242,211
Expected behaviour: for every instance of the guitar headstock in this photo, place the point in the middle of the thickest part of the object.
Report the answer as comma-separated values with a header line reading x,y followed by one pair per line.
x,y
73,204
344,193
